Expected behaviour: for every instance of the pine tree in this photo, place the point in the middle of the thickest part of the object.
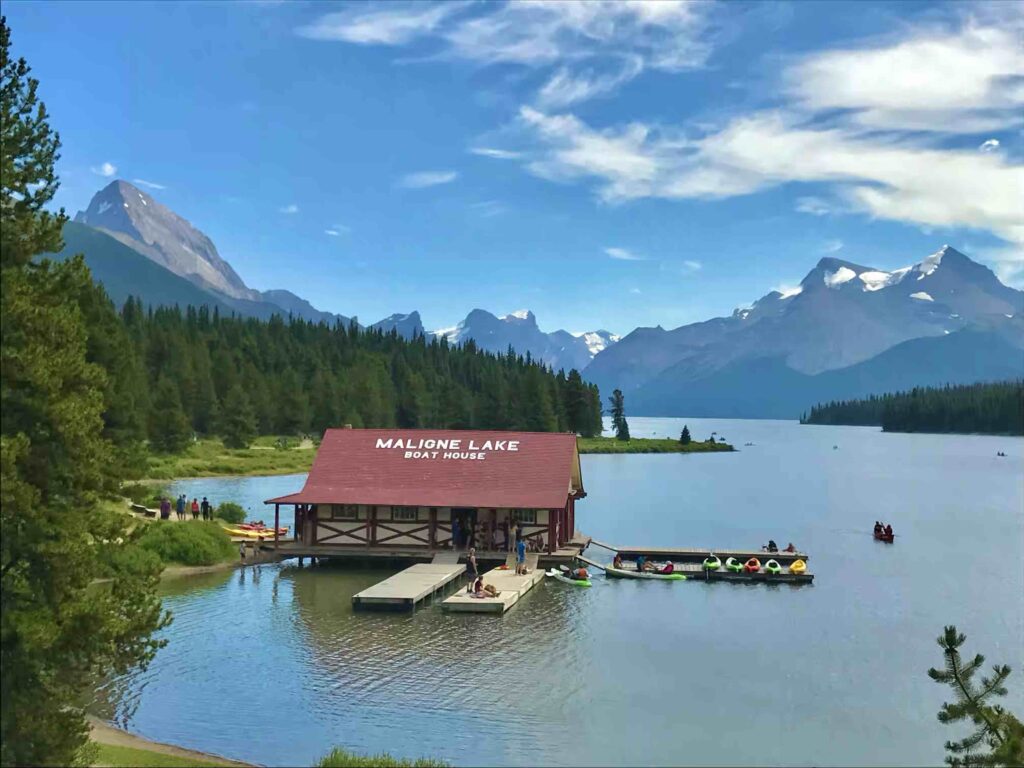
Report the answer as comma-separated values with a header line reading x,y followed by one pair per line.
x,y
618,412
238,422
684,436
998,736
577,405
169,428
57,632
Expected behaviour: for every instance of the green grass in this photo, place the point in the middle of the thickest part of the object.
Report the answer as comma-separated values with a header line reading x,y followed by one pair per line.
x,y
108,754
209,458
647,445
189,543
341,758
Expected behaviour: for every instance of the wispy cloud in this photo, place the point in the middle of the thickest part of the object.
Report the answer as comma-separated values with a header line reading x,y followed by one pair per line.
x,y
500,154
596,46
427,179
832,246
989,145
150,184
488,208
814,206
394,24
635,291
289,209
693,266
623,254
104,169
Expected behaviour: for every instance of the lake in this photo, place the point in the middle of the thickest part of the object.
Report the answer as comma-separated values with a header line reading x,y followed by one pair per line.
x,y
271,665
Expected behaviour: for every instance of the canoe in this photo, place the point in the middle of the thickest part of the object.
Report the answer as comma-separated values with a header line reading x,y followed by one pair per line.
x,y
712,563
772,566
621,573
886,537
264,533
798,566
562,577
753,565
734,565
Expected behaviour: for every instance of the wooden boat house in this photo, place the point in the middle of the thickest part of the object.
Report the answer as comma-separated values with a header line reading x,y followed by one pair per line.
x,y
402,491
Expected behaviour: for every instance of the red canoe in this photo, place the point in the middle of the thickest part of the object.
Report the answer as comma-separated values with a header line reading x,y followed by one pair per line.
x,y
886,537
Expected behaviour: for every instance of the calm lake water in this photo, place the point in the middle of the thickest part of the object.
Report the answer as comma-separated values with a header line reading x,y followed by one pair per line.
x,y
272,665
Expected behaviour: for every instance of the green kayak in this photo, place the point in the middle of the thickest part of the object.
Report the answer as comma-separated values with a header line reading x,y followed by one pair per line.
x,y
562,577
619,573
734,565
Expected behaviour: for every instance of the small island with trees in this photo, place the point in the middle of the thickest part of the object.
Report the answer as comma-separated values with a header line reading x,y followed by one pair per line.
x,y
990,409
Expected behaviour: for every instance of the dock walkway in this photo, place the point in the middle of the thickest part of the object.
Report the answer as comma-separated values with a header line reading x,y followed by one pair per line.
x,y
407,588
510,586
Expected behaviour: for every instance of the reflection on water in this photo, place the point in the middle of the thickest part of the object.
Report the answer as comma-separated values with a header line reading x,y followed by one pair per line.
x,y
272,665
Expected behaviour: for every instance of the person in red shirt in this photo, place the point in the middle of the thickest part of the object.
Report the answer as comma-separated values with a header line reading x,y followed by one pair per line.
x,y
667,568
195,509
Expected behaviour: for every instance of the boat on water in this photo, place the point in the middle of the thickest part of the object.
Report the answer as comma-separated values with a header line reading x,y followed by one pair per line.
x,y
555,574
888,538
622,573
753,565
733,565
712,563
772,566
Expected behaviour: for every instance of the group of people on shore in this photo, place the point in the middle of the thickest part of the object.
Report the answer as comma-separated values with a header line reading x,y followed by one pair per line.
x,y
182,508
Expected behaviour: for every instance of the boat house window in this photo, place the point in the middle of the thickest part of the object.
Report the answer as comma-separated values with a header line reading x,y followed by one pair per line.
x,y
344,511
403,513
526,516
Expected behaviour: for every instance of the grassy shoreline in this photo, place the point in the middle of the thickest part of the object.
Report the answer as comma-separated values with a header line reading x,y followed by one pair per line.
x,y
209,458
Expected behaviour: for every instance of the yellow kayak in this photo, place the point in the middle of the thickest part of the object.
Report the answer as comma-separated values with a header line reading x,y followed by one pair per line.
x,y
266,533
798,566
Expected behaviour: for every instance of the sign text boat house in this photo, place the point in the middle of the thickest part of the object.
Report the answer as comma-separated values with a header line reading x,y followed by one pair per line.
x,y
411,492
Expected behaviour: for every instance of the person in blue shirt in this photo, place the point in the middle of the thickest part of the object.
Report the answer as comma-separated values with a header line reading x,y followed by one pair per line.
x,y
640,562
521,556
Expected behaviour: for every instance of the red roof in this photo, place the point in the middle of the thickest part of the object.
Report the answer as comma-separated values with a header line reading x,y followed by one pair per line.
x,y
442,468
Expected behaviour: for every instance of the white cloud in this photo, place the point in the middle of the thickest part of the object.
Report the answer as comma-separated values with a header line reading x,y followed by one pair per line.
x,y
635,291
488,208
150,184
989,145
623,254
814,206
395,24
693,266
598,46
106,169
289,209
963,81
832,246
789,289
427,179
499,154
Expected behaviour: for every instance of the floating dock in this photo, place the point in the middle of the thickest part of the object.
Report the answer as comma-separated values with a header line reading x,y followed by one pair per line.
x,y
698,554
510,587
405,590
695,572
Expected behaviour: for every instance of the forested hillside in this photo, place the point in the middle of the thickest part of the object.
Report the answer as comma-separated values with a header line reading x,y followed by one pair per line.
x,y
986,408
173,373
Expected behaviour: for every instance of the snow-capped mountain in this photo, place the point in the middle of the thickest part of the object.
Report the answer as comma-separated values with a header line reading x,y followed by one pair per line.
x,y
558,349
842,315
135,219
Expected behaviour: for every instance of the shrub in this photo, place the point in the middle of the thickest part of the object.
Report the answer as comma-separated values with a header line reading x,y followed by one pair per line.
x,y
129,560
230,512
282,444
189,543
140,493
341,758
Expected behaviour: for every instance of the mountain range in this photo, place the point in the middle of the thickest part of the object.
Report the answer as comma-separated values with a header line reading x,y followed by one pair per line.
x,y
846,331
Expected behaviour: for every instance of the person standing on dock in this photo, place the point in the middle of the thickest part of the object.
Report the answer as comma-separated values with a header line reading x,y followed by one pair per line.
x,y
520,555
241,552
471,570
455,532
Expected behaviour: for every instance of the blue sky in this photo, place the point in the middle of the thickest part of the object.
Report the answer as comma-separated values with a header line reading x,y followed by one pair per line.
x,y
607,165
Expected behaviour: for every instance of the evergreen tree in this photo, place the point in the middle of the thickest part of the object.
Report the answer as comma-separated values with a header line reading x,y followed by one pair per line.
x,y
998,736
169,428
57,631
578,408
684,436
618,412
238,423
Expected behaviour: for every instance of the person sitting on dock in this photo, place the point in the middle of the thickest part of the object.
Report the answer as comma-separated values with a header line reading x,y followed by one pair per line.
x,y
771,546
790,547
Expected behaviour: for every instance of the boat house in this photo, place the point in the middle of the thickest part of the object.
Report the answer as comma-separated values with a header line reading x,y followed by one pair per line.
x,y
415,491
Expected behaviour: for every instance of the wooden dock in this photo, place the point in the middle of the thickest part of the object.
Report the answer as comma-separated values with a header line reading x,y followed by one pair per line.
x,y
510,586
406,589
698,554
